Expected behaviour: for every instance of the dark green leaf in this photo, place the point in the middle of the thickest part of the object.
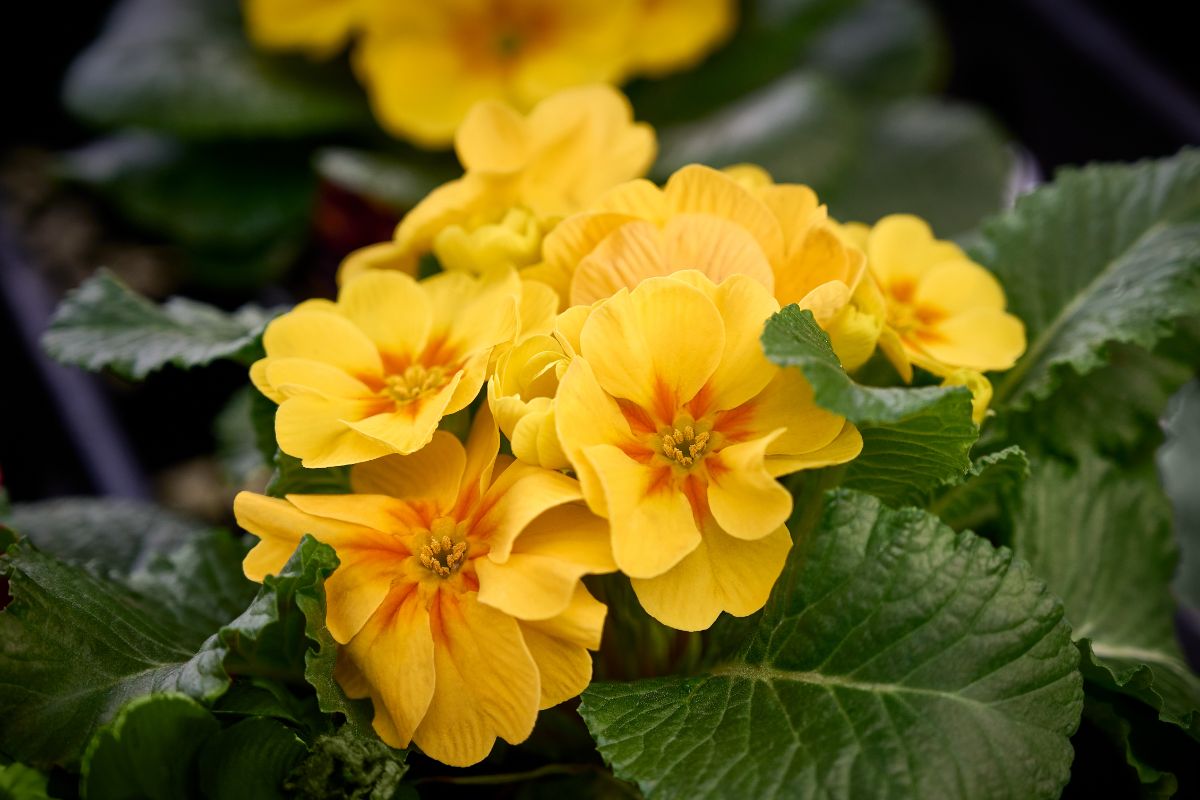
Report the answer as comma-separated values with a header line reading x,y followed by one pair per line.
x,y
147,752
249,760
894,659
185,67
1103,254
1179,463
980,495
347,765
103,324
1139,738
18,782
913,439
245,454
292,478
1101,538
74,649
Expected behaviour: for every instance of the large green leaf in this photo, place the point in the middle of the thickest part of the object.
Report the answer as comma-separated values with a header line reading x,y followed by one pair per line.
x,y
913,439
981,494
185,67
894,659
75,648
1179,462
146,753
1103,254
249,761
103,324
1101,538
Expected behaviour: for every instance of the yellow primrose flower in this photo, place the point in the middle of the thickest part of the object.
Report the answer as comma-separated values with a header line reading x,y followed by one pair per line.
x,y
373,373
677,426
670,35
522,175
319,27
717,223
943,311
457,602
521,391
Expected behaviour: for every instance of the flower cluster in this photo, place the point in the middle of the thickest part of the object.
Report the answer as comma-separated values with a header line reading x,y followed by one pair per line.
x,y
610,328
426,64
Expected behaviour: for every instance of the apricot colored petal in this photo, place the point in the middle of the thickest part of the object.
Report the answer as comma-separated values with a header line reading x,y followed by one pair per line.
x,y
395,654
322,336
572,240
390,308
630,254
821,258
954,287
721,574
745,499
487,682
786,403
560,645
483,443
901,248
430,474
642,344
696,189
846,446
292,376
518,496
651,520
538,579
982,339
318,430
407,428
382,256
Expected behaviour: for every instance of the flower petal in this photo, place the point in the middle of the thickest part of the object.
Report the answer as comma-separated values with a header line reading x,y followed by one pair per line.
x,y
697,189
982,339
322,336
432,473
745,499
292,376
487,682
390,308
394,653
560,645
845,447
787,403
318,430
409,427
492,138
901,249
652,523
519,495
483,443
585,415
722,574
957,286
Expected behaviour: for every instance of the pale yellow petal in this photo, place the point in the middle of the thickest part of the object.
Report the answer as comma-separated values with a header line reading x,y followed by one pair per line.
x,y
322,336
493,138
390,308
697,189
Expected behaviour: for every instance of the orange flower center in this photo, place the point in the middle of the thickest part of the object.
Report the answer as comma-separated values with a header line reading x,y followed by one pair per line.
x,y
415,382
445,551
685,443
907,317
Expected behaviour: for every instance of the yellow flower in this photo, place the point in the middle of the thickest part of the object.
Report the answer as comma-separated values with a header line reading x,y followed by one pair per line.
x,y
522,175
521,392
373,373
677,426
457,602
717,223
981,391
670,35
943,311
320,27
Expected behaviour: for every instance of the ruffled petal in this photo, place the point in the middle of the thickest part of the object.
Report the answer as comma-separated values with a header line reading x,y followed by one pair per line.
x,y
585,415
409,427
745,499
560,645
519,495
318,430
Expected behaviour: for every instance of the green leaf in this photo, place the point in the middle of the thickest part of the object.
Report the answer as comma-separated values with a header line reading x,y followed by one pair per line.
x,y
347,765
895,658
147,752
1101,538
293,478
70,634
1103,254
103,324
109,535
1179,464
980,495
249,760
941,161
913,439
1132,729
185,67
19,782
245,455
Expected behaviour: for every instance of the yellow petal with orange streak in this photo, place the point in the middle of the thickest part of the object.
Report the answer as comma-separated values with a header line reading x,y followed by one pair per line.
x,y
560,645
322,336
744,498
390,308
432,473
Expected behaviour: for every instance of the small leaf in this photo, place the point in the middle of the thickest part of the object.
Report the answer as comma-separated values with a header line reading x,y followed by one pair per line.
x,y
1104,254
19,782
103,324
148,749
293,478
1101,538
249,760
913,439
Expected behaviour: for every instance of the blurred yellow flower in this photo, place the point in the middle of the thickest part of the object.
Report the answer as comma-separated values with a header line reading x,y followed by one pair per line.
x,y
720,224
677,425
522,175
943,311
457,601
426,64
373,373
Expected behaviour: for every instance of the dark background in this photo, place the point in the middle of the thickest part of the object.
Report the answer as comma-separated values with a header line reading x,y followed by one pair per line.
x,y
1071,80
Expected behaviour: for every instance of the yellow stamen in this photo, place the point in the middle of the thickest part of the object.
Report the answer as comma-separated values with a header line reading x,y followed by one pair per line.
x,y
442,555
415,382
686,446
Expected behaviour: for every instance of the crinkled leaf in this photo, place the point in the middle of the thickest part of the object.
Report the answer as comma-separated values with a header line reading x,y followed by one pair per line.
x,y
913,439
895,658
1101,538
1107,253
74,649
103,324
147,751
19,782
185,67
249,760
348,765
1179,463
293,478
980,494
108,535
